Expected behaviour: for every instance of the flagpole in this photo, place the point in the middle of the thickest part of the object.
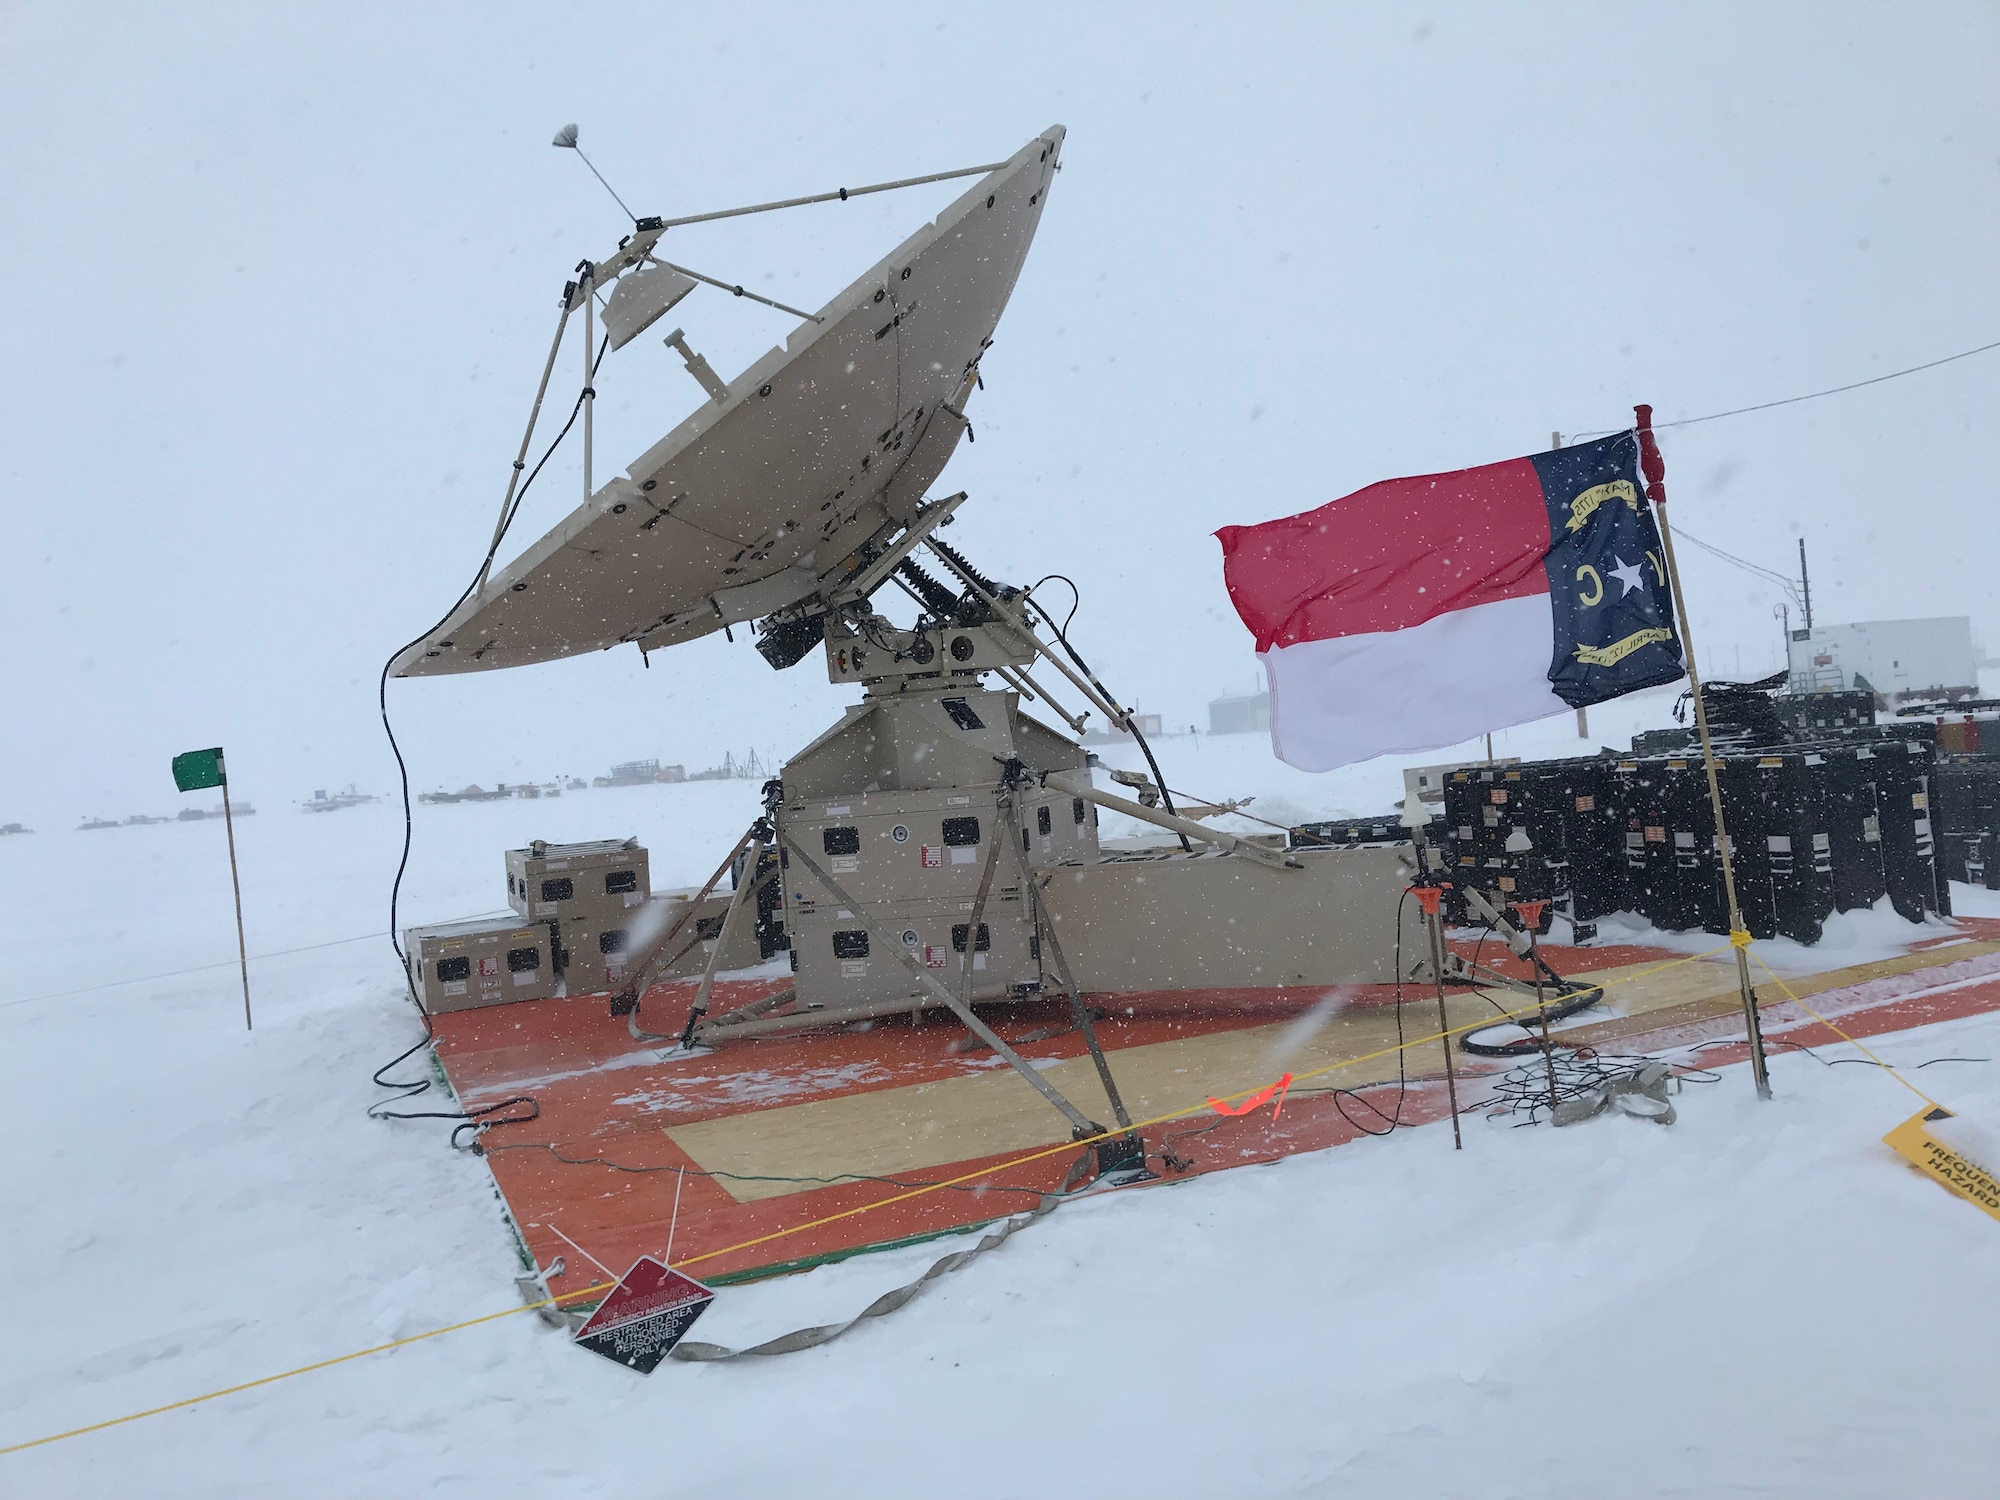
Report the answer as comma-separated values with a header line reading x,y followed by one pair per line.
x,y
242,948
1739,939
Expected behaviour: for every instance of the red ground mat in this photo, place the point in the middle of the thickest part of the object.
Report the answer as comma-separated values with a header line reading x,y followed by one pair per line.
x,y
597,1170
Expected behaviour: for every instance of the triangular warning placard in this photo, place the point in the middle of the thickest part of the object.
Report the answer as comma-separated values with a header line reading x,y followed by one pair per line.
x,y
645,1315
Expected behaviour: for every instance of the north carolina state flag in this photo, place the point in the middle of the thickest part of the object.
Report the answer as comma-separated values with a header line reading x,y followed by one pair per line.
x,y
1420,612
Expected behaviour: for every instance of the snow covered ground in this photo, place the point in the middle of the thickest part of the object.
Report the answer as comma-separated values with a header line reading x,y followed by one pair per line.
x,y
1761,1299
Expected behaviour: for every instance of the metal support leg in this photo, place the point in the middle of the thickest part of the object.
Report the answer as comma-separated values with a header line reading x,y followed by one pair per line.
x,y
653,959
979,915
1122,1160
1078,784
1045,929
745,889
1084,1128
728,1022
1080,1011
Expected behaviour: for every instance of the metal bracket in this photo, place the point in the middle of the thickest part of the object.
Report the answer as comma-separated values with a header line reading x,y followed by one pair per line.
x,y
927,519
535,1292
698,366
1078,784
1517,943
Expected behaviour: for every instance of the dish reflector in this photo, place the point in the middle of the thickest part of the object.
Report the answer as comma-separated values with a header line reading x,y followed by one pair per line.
x,y
757,500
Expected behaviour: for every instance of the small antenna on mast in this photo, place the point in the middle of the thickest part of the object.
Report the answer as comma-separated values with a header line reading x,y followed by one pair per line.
x,y
566,138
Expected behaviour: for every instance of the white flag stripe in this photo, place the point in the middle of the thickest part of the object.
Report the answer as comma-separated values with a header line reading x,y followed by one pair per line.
x,y
1351,698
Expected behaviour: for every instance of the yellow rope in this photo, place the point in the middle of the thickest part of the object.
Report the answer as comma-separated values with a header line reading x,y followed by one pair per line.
x,y
570,1296
251,1385
1841,1034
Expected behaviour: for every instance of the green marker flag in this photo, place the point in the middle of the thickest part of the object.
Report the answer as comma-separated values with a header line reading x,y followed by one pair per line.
x,y
199,769
195,771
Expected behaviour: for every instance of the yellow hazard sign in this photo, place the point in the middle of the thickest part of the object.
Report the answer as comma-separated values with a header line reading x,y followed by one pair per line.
x,y
1933,1157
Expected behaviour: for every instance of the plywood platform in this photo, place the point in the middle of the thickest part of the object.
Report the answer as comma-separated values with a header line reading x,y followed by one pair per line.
x,y
790,1149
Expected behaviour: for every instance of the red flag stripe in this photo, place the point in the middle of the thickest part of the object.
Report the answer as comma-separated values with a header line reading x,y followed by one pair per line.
x,y
1402,552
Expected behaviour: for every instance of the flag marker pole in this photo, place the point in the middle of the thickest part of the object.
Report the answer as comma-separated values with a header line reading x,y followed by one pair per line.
x,y
242,948
1656,491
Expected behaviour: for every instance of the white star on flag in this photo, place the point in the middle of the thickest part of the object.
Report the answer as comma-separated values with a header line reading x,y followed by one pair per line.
x,y
1627,574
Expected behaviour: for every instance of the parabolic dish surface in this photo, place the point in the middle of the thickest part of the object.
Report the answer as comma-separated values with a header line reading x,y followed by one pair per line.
x,y
752,500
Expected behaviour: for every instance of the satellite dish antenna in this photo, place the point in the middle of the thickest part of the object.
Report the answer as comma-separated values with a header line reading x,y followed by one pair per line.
x,y
804,479
566,139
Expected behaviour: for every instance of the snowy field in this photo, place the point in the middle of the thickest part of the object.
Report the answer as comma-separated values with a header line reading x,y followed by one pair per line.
x,y
1761,1299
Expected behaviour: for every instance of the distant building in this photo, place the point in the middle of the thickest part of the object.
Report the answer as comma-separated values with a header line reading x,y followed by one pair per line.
x,y
641,773
1248,713
338,801
1899,661
749,769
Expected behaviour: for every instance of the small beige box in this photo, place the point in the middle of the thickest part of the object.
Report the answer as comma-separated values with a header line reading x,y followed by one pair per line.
x,y
601,879
487,961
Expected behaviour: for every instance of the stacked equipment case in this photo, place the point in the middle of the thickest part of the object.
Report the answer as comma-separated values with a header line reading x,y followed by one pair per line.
x,y
485,961
1813,716
1386,829
591,892
1967,805
1815,828
1540,830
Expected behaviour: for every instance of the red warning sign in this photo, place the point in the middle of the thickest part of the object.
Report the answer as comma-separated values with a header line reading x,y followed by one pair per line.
x,y
933,856
645,1315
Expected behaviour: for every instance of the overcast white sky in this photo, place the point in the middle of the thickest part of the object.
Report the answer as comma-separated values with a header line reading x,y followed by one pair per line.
x,y
278,280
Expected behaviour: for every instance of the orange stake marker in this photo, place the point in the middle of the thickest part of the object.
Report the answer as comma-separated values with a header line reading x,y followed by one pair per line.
x,y
1257,1100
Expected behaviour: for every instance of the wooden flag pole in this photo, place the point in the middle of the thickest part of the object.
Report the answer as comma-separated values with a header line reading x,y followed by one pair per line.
x,y
242,948
1739,939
